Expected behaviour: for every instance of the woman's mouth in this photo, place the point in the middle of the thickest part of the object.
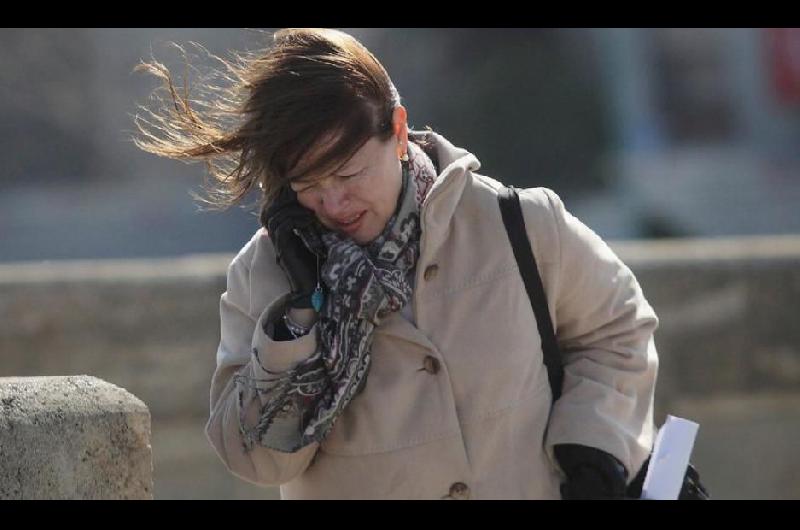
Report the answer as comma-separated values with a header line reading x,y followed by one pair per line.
x,y
350,225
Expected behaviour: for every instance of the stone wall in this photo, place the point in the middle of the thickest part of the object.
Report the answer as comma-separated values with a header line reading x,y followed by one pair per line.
x,y
728,341
729,347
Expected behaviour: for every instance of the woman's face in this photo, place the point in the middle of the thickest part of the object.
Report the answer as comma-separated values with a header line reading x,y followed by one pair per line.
x,y
360,197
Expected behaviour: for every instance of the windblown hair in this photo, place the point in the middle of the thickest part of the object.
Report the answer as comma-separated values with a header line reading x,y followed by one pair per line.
x,y
312,87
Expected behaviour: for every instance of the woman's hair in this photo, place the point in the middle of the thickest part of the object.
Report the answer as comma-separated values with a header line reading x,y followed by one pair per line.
x,y
312,87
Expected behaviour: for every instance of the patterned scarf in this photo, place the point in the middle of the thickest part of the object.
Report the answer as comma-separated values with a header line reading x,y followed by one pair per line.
x,y
364,285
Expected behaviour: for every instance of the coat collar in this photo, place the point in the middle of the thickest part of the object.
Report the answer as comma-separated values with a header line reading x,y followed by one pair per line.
x,y
455,165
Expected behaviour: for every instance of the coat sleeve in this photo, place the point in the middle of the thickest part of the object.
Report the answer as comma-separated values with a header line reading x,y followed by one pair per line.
x,y
604,328
245,351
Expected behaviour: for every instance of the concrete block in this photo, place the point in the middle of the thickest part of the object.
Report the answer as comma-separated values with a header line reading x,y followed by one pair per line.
x,y
74,437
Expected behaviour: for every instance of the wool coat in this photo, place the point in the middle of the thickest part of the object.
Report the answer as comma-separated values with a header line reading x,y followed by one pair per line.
x,y
457,403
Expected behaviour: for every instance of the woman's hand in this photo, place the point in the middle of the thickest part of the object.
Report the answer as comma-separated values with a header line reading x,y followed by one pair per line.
x,y
591,473
296,260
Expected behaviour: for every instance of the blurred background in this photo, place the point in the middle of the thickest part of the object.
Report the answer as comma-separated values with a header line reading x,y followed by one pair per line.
x,y
649,135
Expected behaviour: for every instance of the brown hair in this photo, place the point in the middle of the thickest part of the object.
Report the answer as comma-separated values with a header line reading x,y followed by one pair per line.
x,y
313,87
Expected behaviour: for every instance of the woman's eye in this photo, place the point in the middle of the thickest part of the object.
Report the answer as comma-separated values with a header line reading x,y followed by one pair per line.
x,y
302,188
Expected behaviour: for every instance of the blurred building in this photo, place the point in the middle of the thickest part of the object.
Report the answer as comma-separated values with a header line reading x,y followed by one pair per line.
x,y
707,133
643,132
72,184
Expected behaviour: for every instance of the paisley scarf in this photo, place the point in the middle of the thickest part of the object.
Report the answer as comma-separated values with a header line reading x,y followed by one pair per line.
x,y
364,285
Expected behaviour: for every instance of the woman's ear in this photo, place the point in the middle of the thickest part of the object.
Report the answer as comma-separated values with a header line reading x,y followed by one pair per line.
x,y
400,127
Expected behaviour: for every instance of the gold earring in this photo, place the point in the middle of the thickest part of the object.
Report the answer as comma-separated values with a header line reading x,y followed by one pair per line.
x,y
404,158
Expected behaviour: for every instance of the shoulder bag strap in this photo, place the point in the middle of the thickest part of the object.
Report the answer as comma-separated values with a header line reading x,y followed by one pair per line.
x,y
515,227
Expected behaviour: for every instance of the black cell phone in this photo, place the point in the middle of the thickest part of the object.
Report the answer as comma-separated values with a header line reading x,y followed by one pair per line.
x,y
286,196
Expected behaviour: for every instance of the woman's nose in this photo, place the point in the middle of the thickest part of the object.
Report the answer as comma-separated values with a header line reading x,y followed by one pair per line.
x,y
335,201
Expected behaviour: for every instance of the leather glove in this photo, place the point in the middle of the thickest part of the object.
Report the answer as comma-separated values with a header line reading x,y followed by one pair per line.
x,y
591,473
297,261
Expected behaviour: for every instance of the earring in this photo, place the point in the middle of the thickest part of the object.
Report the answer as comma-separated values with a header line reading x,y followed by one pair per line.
x,y
404,158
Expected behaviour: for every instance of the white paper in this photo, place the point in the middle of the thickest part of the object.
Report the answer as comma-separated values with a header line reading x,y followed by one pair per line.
x,y
669,460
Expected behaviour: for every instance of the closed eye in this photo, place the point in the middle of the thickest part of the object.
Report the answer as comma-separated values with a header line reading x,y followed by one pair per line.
x,y
300,187
357,173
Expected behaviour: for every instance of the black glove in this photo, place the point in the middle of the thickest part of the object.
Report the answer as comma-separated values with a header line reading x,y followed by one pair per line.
x,y
591,473
296,260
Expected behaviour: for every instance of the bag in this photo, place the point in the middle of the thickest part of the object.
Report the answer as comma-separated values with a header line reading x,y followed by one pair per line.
x,y
514,222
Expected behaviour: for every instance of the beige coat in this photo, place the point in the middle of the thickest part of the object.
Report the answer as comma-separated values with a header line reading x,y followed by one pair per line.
x,y
457,405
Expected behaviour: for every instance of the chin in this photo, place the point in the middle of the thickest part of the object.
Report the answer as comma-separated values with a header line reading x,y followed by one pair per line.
x,y
363,240
366,235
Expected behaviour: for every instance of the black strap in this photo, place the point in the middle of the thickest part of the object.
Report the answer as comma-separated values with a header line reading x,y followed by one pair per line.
x,y
515,227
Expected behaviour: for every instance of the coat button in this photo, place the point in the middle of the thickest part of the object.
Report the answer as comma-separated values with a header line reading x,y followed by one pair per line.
x,y
459,491
430,272
431,365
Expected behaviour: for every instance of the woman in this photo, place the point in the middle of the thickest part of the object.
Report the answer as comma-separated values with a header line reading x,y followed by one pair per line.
x,y
377,340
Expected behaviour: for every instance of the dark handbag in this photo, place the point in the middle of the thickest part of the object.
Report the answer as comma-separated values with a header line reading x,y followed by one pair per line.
x,y
514,222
